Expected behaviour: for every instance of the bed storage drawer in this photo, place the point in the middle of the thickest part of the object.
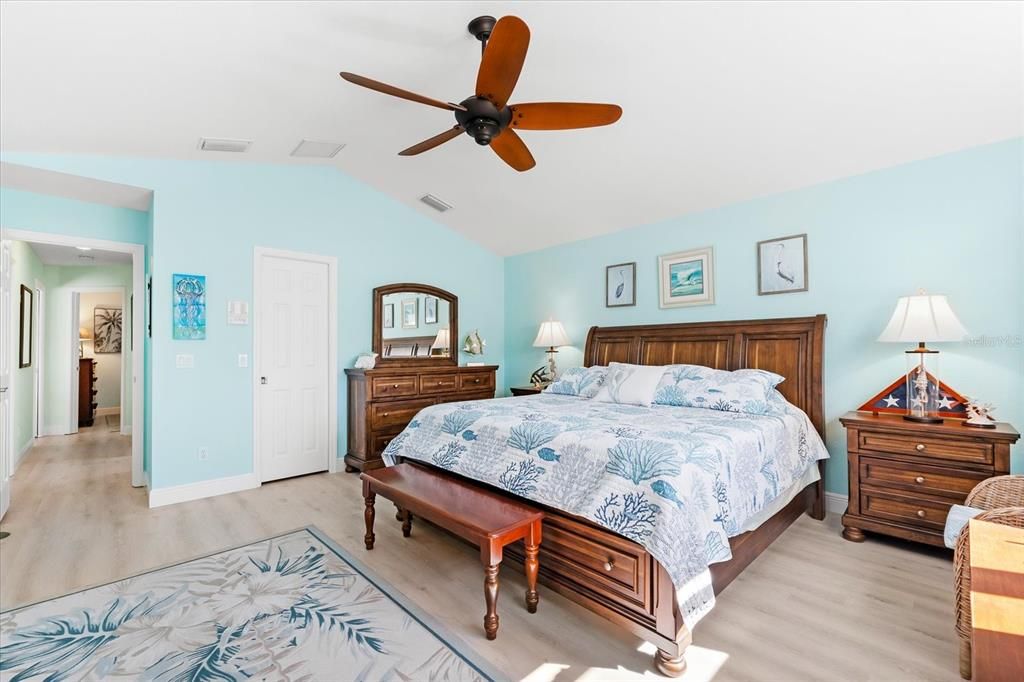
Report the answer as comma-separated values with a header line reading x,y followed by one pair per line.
x,y
595,561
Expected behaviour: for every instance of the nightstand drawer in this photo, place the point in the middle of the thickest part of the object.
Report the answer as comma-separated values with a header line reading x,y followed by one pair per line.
x,y
925,446
918,478
924,512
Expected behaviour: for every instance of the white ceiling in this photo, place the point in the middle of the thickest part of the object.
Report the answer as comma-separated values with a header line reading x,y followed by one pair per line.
x,y
41,181
722,102
59,254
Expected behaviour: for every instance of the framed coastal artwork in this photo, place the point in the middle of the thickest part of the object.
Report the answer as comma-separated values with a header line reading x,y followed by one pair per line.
x,y
686,278
782,265
410,313
106,329
620,285
389,315
430,310
25,327
189,302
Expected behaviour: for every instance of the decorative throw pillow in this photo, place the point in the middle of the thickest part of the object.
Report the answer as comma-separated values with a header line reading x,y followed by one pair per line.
x,y
743,390
582,381
630,384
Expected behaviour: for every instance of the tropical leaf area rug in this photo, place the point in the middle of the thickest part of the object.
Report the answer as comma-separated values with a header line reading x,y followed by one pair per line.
x,y
293,607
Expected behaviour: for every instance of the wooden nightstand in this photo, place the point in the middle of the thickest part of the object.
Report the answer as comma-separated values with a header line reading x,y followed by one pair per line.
x,y
904,476
526,390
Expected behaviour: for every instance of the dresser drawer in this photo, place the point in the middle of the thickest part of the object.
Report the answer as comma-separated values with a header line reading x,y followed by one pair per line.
x,y
923,512
438,383
479,381
379,441
397,413
929,446
393,387
575,554
919,478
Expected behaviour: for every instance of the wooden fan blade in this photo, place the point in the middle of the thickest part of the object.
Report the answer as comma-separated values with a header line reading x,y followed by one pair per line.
x,y
563,115
435,141
512,150
503,60
398,92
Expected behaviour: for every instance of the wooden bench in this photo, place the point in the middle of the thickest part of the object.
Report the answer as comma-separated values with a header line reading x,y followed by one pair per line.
x,y
487,519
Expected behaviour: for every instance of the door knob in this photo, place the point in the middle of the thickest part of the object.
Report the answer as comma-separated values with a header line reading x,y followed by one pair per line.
x,y
263,380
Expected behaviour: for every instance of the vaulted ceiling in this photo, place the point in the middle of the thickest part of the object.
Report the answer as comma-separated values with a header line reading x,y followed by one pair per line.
x,y
723,102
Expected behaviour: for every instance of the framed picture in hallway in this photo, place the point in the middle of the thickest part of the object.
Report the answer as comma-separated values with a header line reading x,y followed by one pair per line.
x,y
106,330
189,298
25,328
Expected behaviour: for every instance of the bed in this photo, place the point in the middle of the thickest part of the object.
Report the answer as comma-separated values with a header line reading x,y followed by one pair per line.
x,y
620,539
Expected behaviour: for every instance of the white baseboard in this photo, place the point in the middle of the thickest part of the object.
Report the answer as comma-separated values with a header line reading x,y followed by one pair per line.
x,y
53,431
21,454
104,411
126,430
197,491
835,503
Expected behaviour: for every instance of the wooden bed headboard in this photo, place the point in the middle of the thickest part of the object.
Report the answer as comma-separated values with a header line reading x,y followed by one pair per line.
x,y
793,347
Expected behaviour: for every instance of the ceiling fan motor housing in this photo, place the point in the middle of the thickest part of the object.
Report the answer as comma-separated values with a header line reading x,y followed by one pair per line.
x,y
482,120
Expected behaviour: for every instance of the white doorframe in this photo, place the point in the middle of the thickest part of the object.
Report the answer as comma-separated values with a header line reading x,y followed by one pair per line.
x,y
6,375
138,254
332,349
123,376
38,412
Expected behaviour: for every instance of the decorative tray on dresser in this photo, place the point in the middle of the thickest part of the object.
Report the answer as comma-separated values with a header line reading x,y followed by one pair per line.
x,y
904,476
382,401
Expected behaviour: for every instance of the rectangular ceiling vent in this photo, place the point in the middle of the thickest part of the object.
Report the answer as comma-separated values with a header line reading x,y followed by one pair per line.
x,y
218,144
435,203
314,149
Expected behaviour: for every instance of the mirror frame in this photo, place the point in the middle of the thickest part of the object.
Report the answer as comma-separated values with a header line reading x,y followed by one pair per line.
x,y
378,319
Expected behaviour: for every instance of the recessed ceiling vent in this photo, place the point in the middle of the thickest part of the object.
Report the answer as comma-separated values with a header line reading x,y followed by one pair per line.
x,y
313,149
435,203
219,144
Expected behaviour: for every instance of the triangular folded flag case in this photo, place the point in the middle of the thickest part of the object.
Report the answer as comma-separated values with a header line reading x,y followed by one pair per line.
x,y
893,400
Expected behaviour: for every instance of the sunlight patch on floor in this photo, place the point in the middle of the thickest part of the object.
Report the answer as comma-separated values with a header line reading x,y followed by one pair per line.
x,y
702,664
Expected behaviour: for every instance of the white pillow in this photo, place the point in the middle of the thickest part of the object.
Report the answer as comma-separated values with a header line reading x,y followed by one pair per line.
x,y
630,384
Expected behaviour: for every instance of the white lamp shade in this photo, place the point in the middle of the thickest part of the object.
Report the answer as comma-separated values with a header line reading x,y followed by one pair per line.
x,y
551,335
923,318
443,340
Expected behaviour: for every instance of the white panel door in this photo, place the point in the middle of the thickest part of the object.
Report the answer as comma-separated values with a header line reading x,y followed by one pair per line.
x,y
291,323
6,360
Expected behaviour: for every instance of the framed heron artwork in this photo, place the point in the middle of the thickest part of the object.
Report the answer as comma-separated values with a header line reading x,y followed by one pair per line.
x,y
189,297
620,285
782,265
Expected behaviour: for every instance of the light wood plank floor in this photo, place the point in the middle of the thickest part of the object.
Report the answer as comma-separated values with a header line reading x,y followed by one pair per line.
x,y
813,607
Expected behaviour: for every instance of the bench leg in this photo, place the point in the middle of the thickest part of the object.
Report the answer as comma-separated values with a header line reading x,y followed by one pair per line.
x,y
532,543
491,596
368,514
407,523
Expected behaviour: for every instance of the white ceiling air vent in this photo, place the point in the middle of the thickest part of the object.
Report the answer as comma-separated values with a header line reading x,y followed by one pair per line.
x,y
314,149
220,144
435,203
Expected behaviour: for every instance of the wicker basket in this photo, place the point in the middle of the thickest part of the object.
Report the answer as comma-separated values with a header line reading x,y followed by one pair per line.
x,y
1003,498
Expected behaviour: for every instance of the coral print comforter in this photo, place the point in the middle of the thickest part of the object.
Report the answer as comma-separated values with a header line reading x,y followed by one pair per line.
x,y
678,480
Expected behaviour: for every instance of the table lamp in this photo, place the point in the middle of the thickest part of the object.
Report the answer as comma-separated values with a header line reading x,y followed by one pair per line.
x,y
84,334
442,342
923,318
550,335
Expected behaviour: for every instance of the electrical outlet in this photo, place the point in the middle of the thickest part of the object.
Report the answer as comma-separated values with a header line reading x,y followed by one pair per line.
x,y
204,454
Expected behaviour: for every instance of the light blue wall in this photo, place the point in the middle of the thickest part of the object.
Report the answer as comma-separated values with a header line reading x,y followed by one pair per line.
x,y
207,217
951,224
43,213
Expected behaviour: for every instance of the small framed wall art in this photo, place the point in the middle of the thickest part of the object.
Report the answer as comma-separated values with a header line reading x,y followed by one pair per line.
x,y
620,285
389,315
25,322
782,265
410,313
189,296
430,310
686,278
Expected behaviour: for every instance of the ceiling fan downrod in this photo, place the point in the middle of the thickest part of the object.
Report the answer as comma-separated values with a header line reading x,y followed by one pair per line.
x,y
481,28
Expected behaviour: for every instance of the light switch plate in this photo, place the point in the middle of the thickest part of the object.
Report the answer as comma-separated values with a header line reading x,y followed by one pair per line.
x,y
243,360
238,312
184,361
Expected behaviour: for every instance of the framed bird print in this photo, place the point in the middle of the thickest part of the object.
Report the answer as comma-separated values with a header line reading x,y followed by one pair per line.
x,y
620,285
782,265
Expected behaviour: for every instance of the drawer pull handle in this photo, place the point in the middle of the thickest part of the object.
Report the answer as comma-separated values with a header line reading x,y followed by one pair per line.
x,y
919,479
476,381
384,414
920,447
609,565
395,386
920,513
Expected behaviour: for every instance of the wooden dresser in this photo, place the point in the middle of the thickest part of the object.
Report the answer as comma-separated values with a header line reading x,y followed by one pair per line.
x,y
382,402
904,476
86,391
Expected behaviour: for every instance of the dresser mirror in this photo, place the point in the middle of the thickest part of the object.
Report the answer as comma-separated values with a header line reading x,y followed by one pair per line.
x,y
415,324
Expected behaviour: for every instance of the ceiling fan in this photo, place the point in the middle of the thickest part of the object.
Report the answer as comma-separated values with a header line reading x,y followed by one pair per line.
x,y
487,116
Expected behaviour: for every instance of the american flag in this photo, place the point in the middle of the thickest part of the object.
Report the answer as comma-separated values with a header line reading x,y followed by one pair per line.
x,y
893,400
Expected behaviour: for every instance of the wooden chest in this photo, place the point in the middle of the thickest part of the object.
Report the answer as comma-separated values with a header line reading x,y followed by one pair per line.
x,y
904,476
382,402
